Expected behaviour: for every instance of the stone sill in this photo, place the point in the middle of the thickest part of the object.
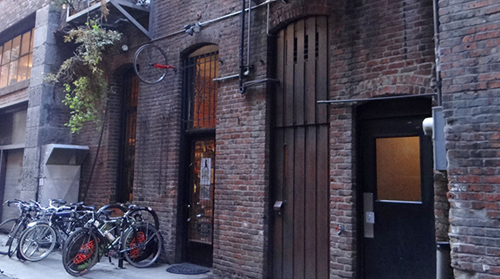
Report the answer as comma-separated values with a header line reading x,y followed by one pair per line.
x,y
23,84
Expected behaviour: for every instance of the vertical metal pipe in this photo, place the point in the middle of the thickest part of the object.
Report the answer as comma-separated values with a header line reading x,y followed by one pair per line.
x,y
248,33
437,50
242,46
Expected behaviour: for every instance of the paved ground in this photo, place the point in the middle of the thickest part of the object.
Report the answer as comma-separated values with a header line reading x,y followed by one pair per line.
x,y
51,268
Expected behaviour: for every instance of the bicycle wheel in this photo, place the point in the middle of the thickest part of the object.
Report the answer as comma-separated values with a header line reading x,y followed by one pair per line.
x,y
150,63
142,244
14,239
37,242
6,229
142,215
80,252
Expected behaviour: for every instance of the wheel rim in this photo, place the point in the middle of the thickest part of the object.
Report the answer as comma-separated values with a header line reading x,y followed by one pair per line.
x,y
144,60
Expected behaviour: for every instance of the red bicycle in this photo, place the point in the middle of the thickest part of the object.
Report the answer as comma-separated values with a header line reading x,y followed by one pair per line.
x,y
150,64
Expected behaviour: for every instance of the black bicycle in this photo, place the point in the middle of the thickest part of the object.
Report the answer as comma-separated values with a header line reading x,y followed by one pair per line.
x,y
41,237
122,237
12,228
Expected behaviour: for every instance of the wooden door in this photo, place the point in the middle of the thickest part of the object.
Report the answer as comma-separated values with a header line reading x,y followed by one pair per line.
x,y
300,152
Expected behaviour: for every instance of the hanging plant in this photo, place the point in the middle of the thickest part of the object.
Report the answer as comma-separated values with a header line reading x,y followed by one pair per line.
x,y
83,75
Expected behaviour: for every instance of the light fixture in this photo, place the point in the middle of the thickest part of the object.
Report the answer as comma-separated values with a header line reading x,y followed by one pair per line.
x,y
125,48
193,28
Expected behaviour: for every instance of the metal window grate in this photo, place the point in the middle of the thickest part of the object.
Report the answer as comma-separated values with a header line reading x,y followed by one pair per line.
x,y
202,90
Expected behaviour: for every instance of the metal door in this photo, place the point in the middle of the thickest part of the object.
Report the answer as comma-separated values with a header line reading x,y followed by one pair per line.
x,y
300,150
12,175
396,190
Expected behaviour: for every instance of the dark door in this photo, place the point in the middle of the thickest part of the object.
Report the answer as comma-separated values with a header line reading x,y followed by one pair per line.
x,y
199,120
300,152
200,207
397,211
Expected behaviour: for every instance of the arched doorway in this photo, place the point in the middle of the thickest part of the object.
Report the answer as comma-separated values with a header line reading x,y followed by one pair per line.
x,y
198,145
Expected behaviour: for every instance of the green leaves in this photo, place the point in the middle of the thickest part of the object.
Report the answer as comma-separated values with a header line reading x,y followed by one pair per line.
x,y
83,76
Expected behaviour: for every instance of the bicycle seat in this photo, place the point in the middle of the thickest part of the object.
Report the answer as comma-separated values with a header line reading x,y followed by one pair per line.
x,y
58,202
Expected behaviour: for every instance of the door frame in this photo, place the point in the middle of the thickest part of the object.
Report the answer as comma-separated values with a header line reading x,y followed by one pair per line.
x,y
412,105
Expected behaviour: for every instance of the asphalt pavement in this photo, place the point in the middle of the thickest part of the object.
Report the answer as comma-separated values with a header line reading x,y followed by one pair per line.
x,y
52,268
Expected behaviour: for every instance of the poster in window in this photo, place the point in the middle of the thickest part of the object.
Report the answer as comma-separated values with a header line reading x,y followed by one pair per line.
x,y
205,175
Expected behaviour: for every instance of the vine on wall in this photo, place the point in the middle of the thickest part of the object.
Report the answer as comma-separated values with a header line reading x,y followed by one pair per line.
x,y
83,75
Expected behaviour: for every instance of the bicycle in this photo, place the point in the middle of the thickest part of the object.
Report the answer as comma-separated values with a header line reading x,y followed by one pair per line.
x,y
139,243
15,226
150,64
41,237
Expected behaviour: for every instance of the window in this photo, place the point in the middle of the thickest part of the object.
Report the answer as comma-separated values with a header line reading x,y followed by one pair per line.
x,y
129,121
201,69
16,57
398,169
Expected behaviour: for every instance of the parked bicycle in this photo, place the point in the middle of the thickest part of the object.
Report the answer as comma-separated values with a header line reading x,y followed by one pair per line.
x,y
12,228
123,237
42,236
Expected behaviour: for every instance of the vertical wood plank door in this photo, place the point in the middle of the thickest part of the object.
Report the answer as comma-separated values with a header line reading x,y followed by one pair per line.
x,y
300,153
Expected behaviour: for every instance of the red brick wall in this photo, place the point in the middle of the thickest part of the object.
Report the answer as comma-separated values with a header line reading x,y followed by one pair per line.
x,y
377,48
14,12
469,39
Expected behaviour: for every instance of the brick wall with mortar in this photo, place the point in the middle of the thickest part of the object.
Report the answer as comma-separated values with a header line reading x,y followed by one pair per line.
x,y
377,48
469,39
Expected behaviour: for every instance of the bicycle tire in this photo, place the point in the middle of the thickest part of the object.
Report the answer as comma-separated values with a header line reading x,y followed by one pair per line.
x,y
14,240
144,59
37,242
144,215
80,252
6,229
142,245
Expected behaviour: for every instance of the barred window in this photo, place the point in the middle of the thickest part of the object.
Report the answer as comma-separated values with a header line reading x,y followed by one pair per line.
x,y
201,67
16,56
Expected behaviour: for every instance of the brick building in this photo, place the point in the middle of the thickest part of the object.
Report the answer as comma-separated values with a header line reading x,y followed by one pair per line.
x,y
287,143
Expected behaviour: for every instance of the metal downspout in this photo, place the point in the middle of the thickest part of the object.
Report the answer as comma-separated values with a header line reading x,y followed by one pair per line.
x,y
443,257
242,46
437,50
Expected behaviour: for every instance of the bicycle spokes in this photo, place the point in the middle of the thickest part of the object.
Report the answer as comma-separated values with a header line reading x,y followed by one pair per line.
x,y
85,252
138,239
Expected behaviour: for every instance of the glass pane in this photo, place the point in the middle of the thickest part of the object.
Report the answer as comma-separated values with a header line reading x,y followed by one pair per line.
x,y
24,68
4,75
30,64
16,48
13,72
398,169
25,43
202,192
6,52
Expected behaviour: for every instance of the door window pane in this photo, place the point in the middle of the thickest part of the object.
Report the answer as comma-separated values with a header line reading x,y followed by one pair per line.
x,y
398,169
202,192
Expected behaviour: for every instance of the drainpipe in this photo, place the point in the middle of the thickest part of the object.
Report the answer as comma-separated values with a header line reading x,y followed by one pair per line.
x,y
443,258
242,46
437,50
